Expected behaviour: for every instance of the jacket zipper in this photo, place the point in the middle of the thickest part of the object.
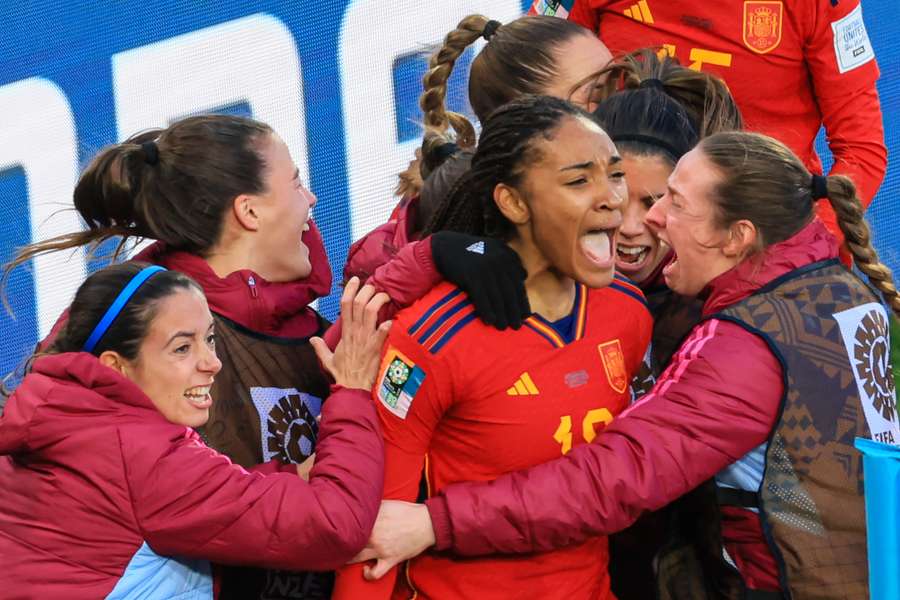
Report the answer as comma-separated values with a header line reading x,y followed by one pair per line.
x,y
251,283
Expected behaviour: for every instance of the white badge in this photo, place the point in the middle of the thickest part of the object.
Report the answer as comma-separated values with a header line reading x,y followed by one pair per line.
x,y
852,47
867,341
287,422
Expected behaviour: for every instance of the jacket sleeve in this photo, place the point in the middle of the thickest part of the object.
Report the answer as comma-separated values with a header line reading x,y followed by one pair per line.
x,y
191,501
407,436
717,401
847,97
405,278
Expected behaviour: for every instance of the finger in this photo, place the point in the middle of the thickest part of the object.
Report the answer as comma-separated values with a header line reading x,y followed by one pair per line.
x,y
381,335
379,570
517,300
372,310
367,553
325,355
483,307
359,304
347,304
495,292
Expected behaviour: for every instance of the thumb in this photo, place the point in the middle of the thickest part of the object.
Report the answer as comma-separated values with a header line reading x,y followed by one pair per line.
x,y
324,354
378,570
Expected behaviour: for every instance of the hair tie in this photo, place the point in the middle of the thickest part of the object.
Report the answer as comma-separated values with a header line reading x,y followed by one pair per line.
x,y
445,151
652,83
819,186
118,304
490,28
151,152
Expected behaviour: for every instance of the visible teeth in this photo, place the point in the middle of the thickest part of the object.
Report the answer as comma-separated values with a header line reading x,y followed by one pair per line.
x,y
198,392
628,250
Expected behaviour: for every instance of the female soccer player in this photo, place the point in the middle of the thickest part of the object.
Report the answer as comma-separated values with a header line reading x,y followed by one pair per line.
x,y
467,402
223,198
765,396
531,55
793,66
106,492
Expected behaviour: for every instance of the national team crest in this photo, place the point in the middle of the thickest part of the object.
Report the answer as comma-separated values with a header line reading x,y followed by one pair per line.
x,y
762,25
614,365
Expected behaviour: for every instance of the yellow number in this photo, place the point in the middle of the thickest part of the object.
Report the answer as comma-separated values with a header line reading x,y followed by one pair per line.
x,y
699,56
666,50
598,415
563,433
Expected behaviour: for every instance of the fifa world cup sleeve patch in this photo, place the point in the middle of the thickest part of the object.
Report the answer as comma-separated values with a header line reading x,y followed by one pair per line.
x,y
852,47
400,380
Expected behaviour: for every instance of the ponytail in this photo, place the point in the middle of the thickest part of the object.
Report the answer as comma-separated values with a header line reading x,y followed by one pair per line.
x,y
705,97
849,211
173,185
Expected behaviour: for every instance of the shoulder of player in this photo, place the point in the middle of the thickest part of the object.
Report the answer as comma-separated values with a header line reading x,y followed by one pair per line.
x,y
436,319
622,293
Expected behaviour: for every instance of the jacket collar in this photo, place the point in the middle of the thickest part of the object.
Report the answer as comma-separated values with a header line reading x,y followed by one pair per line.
x,y
811,244
85,370
276,309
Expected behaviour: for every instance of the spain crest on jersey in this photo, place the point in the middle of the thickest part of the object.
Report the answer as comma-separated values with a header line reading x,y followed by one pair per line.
x,y
762,25
614,365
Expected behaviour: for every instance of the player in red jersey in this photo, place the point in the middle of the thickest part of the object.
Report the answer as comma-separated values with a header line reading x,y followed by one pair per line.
x,y
791,65
467,402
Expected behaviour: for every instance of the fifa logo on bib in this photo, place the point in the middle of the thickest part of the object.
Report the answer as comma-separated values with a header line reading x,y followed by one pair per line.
x,y
762,25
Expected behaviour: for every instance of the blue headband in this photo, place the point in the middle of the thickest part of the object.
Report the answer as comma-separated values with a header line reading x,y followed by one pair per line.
x,y
118,304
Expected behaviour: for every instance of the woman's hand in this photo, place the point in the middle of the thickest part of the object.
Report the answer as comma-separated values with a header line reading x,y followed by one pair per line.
x,y
354,363
488,271
402,531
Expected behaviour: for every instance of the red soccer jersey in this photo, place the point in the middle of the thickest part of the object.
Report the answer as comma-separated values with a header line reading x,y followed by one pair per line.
x,y
791,65
466,402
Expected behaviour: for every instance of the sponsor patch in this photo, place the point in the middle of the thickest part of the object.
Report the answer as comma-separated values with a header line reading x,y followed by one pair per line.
x,y
287,422
614,365
762,25
866,336
553,8
399,382
852,48
576,379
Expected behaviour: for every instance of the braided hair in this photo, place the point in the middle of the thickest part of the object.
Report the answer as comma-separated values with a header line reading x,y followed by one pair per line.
x,y
505,150
764,182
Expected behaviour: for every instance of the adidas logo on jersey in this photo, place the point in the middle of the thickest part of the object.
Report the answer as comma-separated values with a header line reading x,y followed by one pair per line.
x,y
523,386
639,12
477,248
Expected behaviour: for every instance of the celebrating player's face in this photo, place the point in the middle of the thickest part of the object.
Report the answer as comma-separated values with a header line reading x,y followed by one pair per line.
x,y
685,219
575,193
639,251
177,361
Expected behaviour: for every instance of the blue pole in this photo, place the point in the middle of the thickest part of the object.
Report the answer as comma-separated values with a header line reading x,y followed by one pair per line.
x,y
881,467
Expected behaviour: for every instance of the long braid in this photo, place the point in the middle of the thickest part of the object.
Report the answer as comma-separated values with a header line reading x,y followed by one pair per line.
x,y
849,210
433,100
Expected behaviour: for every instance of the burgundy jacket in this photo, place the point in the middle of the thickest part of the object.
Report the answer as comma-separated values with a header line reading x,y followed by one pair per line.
x,y
717,401
91,473
380,245
276,309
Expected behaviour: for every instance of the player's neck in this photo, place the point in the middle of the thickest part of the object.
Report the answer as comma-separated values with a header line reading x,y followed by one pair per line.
x,y
550,293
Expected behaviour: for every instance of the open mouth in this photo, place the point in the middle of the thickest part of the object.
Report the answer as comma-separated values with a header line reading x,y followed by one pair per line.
x,y
199,396
599,246
631,258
